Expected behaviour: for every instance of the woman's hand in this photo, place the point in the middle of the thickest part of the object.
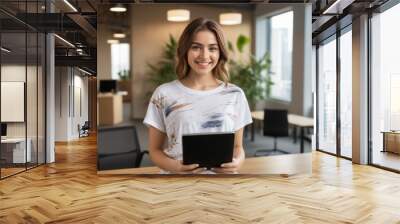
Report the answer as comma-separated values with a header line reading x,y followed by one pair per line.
x,y
180,168
230,168
238,156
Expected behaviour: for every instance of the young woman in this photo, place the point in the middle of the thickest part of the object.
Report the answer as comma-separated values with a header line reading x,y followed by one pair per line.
x,y
201,100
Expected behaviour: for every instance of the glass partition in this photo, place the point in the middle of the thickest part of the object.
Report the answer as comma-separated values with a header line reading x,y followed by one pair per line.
x,y
327,96
41,78
31,97
385,89
22,89
13,87
346,94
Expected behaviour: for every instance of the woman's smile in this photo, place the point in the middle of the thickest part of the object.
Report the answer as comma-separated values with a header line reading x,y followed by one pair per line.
x,y
203,54
203,64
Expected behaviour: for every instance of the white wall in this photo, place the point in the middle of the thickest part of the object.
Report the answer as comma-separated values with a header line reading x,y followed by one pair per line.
x,y
12,73
70,84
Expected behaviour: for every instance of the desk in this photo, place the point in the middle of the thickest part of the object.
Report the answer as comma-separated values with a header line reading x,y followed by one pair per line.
x,y
16,147
289,164
391,141
110,107
293,119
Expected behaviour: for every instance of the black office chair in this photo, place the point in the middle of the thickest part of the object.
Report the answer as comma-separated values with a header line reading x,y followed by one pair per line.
x,y
118,147
84,129
276,125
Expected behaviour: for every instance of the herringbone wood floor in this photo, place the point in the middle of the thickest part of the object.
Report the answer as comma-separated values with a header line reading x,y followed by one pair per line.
x,y
69,191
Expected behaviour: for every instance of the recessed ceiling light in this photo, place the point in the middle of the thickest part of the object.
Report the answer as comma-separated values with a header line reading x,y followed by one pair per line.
x,y
119,35
230,18
113,41
70,5
335,7
118,8
84,71
178,15
65,41
5,50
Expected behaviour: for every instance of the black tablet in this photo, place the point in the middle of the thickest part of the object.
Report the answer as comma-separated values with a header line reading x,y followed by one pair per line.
x,y
208,149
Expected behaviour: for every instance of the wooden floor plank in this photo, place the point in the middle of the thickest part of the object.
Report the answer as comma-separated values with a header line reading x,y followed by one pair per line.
x,y
70,191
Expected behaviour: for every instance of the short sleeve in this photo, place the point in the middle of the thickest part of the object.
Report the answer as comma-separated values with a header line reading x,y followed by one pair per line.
x,y
243,112
154,115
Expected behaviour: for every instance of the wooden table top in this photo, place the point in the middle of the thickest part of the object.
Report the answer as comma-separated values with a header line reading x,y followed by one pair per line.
x,y
294,119
289,164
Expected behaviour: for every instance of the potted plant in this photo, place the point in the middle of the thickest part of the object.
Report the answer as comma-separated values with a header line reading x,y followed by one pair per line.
x,y
251,75
164,70
124,84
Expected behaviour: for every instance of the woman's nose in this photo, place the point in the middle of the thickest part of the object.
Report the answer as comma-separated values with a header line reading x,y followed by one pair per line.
x,y
204,53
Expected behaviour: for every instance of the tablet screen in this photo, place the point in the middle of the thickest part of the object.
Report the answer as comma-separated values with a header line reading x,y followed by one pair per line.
x,y
208,150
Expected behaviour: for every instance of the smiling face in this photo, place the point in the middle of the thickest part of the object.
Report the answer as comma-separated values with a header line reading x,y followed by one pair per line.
x,y
203,54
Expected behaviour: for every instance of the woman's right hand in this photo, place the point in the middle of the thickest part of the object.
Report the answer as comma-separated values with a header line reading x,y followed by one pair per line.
x,y
187,169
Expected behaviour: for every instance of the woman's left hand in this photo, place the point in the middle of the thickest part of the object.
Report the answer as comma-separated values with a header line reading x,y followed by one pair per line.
x,y
230,168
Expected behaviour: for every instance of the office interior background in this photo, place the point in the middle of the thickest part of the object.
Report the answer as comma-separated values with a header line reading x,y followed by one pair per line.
x,y
149,50
324,93
50,74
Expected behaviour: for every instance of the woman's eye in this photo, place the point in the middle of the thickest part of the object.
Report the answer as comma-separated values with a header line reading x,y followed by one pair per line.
x,y
213,49
195,47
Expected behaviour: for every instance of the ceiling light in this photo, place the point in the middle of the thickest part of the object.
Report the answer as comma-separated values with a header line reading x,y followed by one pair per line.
x,y
84,71
119,35
113,41
337,7
79,50
178,15
70,5
230,18
118,8
65,41
5,50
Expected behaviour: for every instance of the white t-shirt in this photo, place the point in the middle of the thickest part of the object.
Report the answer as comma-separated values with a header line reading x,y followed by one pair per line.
x,y
178,110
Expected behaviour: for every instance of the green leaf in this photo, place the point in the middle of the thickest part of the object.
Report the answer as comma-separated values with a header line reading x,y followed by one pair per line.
x,y
252,75
241,42
164,70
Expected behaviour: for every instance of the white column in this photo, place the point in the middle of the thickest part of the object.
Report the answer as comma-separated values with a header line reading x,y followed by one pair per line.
x,y
360,90
50,99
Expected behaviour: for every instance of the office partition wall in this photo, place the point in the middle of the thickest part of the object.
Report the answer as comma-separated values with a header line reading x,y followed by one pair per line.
x,y
22,79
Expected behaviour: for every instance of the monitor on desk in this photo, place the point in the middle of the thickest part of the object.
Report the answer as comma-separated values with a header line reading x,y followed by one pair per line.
x,y
107,86
3,130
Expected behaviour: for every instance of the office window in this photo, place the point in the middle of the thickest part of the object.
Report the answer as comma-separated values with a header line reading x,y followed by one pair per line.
x,y
385,87
274,35
346,94
327,96
120,58
280,44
